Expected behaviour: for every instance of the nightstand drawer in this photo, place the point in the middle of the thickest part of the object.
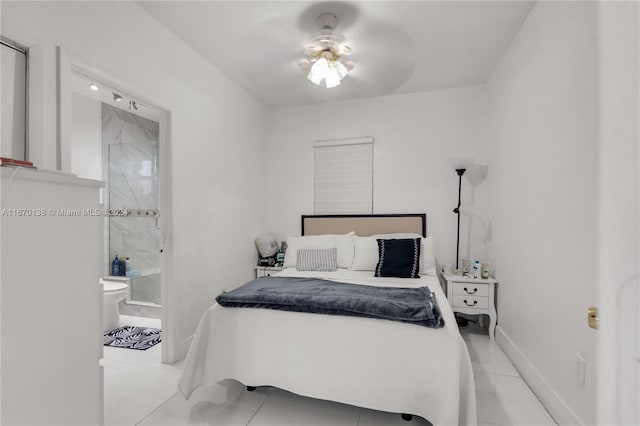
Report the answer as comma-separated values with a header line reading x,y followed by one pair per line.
x,y
267,271
474,302
470,289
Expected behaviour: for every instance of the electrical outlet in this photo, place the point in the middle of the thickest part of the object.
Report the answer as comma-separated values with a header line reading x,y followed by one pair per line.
x,y
581,367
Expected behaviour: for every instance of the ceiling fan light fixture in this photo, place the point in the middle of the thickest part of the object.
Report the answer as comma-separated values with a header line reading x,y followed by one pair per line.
x,y
332,79
324,52
331,71
320,67
341,70
319,70
314,78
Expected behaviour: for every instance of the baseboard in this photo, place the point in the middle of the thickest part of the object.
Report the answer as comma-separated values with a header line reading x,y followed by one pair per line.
x,y
559,410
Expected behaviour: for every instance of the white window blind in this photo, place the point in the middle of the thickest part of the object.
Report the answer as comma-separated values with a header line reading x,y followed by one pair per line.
x,y
343,176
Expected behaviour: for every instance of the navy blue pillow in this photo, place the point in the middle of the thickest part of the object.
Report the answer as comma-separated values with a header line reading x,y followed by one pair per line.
x,y
398,258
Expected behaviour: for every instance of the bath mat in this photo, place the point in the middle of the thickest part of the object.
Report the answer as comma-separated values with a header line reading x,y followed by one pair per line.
x,y
131,337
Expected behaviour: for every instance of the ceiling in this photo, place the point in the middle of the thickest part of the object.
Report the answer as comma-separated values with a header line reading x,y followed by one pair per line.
x,y
397,46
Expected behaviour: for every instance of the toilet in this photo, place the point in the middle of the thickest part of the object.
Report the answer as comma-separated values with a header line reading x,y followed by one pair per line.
x,y
113,293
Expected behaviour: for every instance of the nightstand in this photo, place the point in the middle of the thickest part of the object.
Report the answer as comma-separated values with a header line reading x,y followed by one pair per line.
x,y
267,271
473,296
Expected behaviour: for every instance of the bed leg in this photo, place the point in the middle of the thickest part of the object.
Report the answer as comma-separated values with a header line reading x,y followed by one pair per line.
x,y
407,417
251,388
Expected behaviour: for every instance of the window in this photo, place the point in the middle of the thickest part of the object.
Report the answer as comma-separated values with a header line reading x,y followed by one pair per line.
x,y
343,176
13,88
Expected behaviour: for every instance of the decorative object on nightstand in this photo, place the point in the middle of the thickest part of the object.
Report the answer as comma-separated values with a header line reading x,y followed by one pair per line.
x,y
267,271
267,249
466,266
484,271
476,268
473,296
280,254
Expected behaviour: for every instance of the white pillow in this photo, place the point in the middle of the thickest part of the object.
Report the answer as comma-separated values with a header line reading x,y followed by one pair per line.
x,y
342,243
428,258
366,252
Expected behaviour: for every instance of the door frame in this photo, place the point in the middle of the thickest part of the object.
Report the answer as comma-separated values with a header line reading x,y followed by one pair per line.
x,y
168,355
618,213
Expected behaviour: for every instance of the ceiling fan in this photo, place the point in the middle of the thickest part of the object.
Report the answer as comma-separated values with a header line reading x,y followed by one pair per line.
x,y
325,54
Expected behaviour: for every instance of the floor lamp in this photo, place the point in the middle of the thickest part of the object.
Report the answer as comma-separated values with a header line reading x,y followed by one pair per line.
x,y
462,322
460,172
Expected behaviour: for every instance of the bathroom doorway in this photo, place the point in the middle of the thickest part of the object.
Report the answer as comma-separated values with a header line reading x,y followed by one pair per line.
x,y
130,146
120,139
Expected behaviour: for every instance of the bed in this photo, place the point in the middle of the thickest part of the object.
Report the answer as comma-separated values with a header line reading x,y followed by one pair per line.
x,y
371,363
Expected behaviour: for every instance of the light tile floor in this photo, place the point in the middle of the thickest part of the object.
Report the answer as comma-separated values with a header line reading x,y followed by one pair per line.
x,y
502,397
139,390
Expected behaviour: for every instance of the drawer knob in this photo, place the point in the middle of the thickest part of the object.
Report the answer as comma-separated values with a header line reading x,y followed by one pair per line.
x,y
475,302
475,290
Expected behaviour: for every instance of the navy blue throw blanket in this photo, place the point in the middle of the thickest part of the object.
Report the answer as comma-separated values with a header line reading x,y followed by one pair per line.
x,y
410,305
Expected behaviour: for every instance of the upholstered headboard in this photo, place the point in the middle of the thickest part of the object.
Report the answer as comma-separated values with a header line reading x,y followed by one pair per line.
x,y
365,225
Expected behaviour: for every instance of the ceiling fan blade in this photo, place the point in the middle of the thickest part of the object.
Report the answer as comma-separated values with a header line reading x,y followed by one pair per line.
x,y
349,65
385,56
343,50
304,64
311,49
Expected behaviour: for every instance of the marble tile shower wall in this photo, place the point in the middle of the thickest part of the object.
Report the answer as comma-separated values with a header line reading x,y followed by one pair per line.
x,y
131,172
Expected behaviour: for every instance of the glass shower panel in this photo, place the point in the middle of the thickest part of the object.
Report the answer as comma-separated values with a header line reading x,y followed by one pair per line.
x,y
133,185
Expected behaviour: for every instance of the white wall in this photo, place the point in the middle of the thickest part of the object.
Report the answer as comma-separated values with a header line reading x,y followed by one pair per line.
x,y
40,293
217,140
542,155
86,137
416,136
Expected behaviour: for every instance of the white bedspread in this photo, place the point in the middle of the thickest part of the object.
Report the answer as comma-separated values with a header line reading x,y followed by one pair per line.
x,y
382,365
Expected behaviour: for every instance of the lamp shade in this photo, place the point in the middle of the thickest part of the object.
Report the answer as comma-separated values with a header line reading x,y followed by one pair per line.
x,y
318,71
460,161
476,173
341,70
331,79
